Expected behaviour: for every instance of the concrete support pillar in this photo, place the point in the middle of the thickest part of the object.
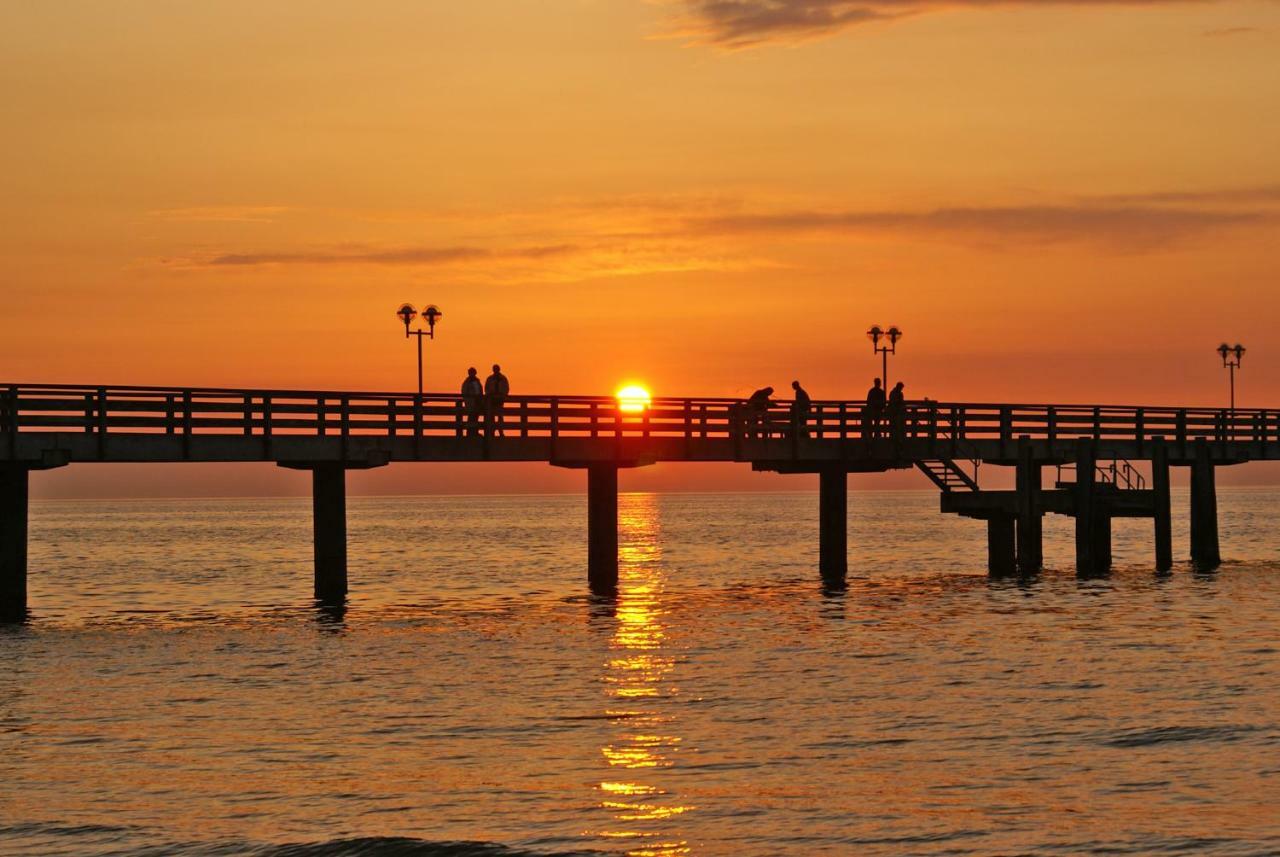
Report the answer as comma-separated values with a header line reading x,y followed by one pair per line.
x,y
329,514
1087,511
1204,509
833,526
13,544
1102,541
602,528
1163,515
1001,546
1030,544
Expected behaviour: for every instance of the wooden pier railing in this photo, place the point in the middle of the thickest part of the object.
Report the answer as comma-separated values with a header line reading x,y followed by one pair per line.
x,y
207,411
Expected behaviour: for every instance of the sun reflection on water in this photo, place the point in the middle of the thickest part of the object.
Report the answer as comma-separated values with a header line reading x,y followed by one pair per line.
x,y
638,675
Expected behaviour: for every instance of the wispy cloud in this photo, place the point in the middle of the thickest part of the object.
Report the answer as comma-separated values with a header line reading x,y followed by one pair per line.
x,y
425,256
1126,227
1231,31
572,241
221,214
736,24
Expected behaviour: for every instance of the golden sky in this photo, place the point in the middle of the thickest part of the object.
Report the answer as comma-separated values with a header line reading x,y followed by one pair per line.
x,y
1070,201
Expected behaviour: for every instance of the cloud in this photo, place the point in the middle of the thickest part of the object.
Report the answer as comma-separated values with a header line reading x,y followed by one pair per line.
x,y
399,256
581,240
735,24
1124,227
1231,31
222,214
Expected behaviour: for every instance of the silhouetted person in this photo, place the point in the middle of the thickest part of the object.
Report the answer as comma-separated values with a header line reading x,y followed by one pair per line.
x,y
800,410
496,390
473,401
873,412
897,411
758,410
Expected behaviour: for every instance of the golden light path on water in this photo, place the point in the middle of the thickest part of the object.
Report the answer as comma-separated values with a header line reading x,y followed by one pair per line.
x,y
637,677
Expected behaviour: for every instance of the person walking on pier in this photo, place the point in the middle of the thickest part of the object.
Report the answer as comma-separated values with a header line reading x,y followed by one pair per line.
x,y
896,412
800,407
874,410
496,390
472,401
758,412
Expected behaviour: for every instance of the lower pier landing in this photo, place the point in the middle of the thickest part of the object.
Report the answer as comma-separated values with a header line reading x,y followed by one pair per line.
x,y
329,433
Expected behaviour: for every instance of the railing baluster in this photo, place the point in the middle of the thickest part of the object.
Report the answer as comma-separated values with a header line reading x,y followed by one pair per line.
x,y
702,419
594,417
391,417
457,420
186,423
345,423
688,420
524,417
844,421
248,415
1097,423
320,422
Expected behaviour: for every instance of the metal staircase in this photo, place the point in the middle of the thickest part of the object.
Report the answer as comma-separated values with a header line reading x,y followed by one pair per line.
x,y
1118,473
948,475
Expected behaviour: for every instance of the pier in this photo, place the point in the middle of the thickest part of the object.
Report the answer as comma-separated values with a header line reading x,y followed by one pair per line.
x,y
1092,449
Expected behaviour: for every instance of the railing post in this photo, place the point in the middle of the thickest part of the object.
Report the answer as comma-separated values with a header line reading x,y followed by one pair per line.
x,y
88,413
1140,428
844,421
1097,423
417,426
555,424
345,417
248,415
524,418
186,423
170,415
688,420
266,425
594,417
702,418
457,420
1053,425
102,422
1180,431
392,407
320,417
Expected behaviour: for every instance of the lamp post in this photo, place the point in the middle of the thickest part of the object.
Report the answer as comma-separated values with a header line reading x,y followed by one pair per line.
x,y
1231,356
893,334
407,314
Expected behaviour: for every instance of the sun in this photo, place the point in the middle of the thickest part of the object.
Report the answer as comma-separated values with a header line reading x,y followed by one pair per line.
x,y
633,399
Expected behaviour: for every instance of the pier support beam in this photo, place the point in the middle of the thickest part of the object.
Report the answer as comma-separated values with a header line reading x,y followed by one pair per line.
x,y
1030,530
602,528
329,514
13,543
1163,515
833,526
1002,560
1093,514
1204,509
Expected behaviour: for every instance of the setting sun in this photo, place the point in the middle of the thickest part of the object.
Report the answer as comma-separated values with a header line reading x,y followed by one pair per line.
x,y
633,399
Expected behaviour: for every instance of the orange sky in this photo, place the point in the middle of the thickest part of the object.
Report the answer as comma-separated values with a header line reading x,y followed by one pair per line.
x,y
1068,201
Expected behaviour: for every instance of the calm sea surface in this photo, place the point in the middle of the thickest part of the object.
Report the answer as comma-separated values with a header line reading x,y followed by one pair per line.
x,y
177,693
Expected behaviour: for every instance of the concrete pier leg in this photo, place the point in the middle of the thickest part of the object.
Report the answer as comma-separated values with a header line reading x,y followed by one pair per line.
x,y
833,526
1204,509
1102,542
329,514
1030,532
1087,511
13,544
602,528
1002,560
1163,515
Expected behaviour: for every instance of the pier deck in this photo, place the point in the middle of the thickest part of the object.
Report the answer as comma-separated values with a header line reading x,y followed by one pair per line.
x,y
49,425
